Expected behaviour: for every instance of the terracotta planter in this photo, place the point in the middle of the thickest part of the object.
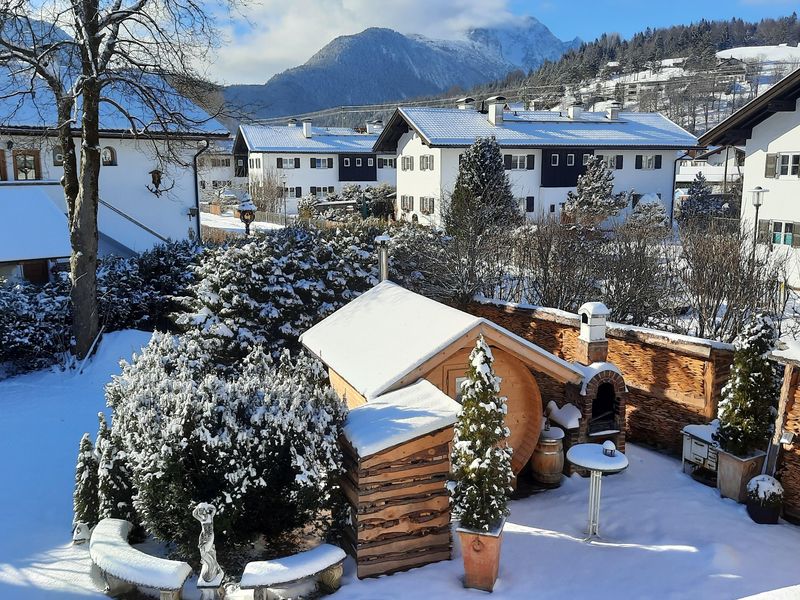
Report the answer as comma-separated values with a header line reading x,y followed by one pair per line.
x,y
733,473
481,553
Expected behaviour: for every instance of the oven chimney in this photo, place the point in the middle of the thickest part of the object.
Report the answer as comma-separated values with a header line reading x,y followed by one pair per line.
x,y
374,126
291,123
575,111
592,341
382,242
495,109
467,103
307,128
612,113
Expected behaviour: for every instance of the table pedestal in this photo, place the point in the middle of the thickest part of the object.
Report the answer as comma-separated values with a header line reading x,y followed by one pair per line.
x,y
595,479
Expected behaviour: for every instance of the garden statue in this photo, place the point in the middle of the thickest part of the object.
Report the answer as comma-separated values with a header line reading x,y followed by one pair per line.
x,y
211,573
81,533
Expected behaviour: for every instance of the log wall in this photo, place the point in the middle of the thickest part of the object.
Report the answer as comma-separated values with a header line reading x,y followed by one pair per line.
x,y
672,381
788,471
399,505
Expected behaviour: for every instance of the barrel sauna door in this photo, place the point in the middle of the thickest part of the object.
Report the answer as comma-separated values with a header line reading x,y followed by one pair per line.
x,y
517,384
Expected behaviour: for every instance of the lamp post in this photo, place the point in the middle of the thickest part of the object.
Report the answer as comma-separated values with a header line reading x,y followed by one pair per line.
x,y
757,197
283,196
247,213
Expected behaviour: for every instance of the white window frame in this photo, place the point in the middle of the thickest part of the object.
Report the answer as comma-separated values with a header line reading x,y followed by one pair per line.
x,y
648,162
370,162
519,162
782,237
554,160
570,160
359,162
790,161
586,158
346,161
287,163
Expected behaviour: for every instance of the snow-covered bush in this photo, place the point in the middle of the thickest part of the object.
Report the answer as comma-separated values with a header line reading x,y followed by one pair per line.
x,y
84,499
114,485
747,409
258,440
273,287
648,215
765,491
165,271
594,199
481,458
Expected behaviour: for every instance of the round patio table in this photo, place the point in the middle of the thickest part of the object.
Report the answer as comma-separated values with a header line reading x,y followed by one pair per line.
x,y
592,457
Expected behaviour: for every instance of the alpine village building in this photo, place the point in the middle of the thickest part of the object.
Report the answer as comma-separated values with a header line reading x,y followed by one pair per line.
x,y
769,129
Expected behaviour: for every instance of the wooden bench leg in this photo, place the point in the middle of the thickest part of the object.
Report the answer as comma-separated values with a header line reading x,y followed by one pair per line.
x,y
330,579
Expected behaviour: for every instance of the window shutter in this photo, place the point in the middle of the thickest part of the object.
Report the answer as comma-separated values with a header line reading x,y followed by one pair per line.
x,y
529,204
432,205
411,202
771,167
298,192
507,162
313,163
313,190
619,161
638,161
296,163
280,162
658,161
430,162
764,231
411,168
3,174
380,163
530,161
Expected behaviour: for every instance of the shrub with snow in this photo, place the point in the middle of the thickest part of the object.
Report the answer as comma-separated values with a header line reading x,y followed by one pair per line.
x,y
747,409
649,215
594,199
114,485
481,458
257,440
85,499
766,491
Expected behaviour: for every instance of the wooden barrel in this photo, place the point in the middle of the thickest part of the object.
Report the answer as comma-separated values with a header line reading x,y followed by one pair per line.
x,y
547,461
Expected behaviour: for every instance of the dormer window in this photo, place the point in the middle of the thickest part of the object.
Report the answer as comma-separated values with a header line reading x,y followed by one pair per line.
x,y
109,157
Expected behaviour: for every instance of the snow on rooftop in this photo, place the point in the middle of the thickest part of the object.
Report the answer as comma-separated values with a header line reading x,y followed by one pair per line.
x,y
592,370
788,351
281,138
533,129
32,227
762,53
399,416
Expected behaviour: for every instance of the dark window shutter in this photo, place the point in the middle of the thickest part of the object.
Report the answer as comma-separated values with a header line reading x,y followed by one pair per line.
x,y
764,231
619,161
280,162
638,161
530,161
411,202
658,161
430,162
772,166
312,163
330,163
380,163
795,235
298,192
296,163
507,162
313,189
529,204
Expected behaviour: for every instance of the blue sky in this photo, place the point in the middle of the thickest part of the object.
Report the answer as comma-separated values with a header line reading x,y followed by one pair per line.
x,y
274,35
588,19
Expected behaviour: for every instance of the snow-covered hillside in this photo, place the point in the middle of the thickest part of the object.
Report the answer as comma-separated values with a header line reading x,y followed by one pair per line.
x,y
782,53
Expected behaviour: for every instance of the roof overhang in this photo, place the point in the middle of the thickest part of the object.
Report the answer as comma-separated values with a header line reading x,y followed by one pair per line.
x,y
398,124
738,128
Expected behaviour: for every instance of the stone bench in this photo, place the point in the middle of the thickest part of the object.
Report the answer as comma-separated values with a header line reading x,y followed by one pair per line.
x,y
124,567
322,564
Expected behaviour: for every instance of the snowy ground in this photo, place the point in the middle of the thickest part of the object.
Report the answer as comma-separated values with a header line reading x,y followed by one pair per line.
x,y
230,223
664,536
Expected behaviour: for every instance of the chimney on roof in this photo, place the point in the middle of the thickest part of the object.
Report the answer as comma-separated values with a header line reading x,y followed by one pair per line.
x,y
613,111
307,128
466,103
495,112
592,341
291,123
575,111
375,126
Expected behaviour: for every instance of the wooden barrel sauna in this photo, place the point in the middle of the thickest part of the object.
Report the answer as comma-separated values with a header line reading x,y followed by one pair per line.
x,y
523,399
547,462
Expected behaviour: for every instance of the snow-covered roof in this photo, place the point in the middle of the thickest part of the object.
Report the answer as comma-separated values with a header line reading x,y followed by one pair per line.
x,y
788,351
284,138
31,226
399,416
383,335
538,129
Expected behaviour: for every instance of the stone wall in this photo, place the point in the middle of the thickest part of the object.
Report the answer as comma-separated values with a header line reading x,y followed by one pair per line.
x,y
672,380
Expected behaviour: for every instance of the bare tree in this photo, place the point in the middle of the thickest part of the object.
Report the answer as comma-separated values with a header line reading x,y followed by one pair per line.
x,y
75,60
267,191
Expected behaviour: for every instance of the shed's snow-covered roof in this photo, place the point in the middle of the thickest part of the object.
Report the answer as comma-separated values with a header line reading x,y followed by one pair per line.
x,y
31,226
383,335
399,416
537,129
283,138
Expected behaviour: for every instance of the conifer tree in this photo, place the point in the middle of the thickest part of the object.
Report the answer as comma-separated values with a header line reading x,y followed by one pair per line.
x,y
699,203
648,215
746,412
114,488
84,498
481,457
594,199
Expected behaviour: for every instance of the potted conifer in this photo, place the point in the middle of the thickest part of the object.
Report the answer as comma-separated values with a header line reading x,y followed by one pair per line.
x,y
482,475
764,499
746,412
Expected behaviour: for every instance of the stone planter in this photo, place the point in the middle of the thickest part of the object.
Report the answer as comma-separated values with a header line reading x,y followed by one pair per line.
x,y
733,473
481,553
763,515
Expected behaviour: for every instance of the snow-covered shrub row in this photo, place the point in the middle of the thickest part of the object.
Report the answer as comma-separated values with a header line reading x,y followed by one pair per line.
x,y
270,289
258,440
35,320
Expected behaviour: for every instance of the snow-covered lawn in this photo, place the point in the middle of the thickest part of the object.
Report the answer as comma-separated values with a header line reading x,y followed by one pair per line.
x,y
664,536
228,222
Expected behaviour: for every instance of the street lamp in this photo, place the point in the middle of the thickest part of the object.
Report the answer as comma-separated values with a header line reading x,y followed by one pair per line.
x,y
247,213
757,197
283,196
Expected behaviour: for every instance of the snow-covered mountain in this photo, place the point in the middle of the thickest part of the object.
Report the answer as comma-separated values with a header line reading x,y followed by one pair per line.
x,y
380,65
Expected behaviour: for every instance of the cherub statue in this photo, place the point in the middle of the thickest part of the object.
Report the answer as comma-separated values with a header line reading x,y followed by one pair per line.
x,y
204,513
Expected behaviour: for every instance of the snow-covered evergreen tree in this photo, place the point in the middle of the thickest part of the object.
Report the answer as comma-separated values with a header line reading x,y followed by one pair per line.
x,y
114,488
649,215
699,203
594,199
747,410
481,458
84,498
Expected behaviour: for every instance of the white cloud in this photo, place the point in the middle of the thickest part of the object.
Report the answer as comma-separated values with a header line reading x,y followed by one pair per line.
x,y
285,33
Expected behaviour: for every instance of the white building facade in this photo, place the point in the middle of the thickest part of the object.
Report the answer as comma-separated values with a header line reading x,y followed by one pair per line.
x,y
769,128
544,152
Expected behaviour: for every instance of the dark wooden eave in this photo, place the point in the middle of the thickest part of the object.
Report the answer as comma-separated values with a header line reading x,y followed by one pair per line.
x,y
738,128
391,134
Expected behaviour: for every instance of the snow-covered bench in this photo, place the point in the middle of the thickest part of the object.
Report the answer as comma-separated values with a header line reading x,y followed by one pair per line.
x,y
322,564
124,566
